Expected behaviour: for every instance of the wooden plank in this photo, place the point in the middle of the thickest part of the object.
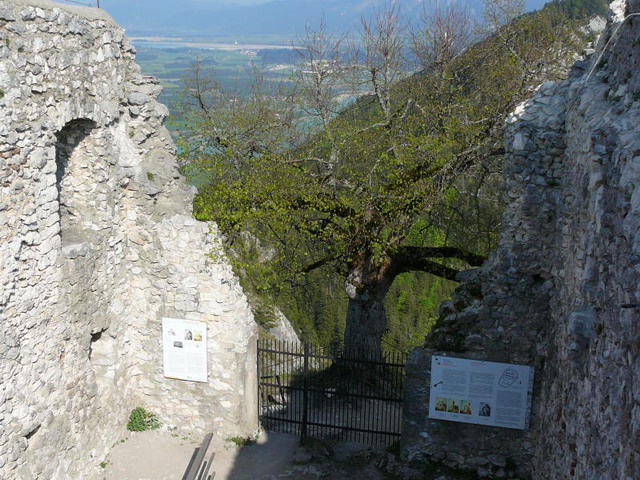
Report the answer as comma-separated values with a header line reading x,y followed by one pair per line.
x,y
190,466
207,466
194,468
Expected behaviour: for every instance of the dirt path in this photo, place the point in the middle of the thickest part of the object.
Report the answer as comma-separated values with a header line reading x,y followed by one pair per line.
x,y
150,455
161,455
158,455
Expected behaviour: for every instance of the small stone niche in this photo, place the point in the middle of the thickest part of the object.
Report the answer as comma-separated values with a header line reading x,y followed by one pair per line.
x,y
102,355
80,179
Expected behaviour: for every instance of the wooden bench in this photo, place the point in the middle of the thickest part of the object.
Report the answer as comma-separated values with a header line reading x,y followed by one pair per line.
x,y
198,468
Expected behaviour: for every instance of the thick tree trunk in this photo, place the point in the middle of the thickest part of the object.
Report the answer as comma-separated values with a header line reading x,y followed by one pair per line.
x,y
366,325
366,322
369,281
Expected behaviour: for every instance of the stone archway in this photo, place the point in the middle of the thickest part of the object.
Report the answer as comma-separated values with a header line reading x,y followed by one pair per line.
x,y
79,145
85,183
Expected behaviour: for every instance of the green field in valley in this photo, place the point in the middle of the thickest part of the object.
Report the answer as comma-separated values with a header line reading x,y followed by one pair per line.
x,y
230,64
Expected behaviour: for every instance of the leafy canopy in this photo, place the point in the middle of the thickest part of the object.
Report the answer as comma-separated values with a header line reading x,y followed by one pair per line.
x,y
324,180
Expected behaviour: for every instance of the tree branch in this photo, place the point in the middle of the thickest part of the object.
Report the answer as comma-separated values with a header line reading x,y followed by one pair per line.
x,y
408,255
318,264
433,268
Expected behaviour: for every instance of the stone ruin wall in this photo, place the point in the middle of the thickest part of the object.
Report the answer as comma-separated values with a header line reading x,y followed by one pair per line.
x,y
561,292
97,244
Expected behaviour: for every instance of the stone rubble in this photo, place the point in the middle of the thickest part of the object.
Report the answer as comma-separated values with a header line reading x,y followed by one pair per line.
x,y
97,245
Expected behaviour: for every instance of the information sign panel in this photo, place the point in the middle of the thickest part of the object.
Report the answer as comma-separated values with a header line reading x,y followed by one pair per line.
x,y
486,393
184,349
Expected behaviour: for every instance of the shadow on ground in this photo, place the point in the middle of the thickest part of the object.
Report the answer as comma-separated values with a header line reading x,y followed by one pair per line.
x,y
281,456
158,455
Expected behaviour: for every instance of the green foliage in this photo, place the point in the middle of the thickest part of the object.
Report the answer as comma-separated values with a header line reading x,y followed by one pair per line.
x,y
338,191
577,9
1,93
150,176
411,307
141,420
317,307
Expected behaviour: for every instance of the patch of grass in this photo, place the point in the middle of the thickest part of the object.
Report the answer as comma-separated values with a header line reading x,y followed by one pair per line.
x,y
150,176
141,420
241,441
122,440
104,464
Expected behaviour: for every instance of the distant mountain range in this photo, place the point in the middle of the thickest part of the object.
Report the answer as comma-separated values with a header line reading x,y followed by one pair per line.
x,y
285,18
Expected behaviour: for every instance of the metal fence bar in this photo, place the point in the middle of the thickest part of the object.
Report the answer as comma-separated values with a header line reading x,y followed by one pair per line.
x,y
303,390
320,424
397,363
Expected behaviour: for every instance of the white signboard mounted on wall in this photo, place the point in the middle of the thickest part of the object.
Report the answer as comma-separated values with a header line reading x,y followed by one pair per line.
x,y
485,393
184,349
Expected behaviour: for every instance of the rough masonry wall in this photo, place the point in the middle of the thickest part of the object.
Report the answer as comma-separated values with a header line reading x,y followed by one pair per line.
x,y
562,292
97,244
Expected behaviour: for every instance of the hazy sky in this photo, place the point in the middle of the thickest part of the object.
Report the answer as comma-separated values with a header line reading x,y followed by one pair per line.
x,y
225,3
163,3
229,2
285,17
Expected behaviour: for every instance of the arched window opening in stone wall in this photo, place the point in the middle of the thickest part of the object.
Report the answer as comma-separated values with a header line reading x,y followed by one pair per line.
x,y
102,355
81,177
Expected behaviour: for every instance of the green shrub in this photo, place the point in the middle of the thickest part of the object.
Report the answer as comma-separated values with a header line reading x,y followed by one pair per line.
x,y
141,419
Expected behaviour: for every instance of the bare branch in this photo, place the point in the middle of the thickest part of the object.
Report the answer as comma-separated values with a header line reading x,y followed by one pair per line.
x,y
444,33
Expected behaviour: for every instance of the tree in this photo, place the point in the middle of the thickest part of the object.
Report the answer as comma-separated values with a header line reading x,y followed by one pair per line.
x,y
364,190
446,32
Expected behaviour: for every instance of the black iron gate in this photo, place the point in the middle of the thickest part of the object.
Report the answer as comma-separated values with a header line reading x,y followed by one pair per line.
x,y
304,390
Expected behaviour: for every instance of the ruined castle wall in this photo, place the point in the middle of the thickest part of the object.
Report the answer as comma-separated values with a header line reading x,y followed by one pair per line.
x,y
561,292
589,422
97,244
